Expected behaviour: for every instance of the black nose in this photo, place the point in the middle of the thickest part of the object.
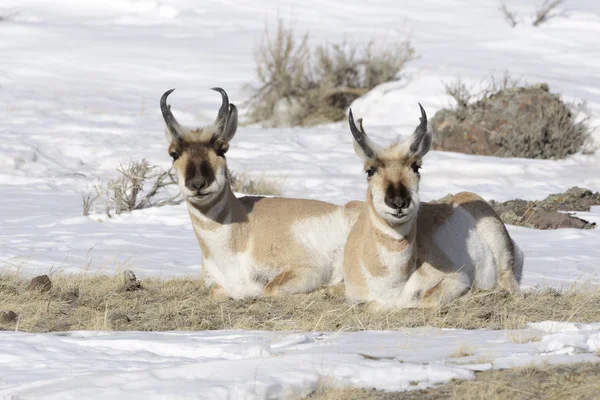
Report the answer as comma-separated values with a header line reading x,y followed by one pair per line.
x,y
397,197
399,203
197,183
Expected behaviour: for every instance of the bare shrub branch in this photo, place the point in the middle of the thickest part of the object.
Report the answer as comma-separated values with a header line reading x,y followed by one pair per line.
x,y
140,185
297,86
460,92
87,202
543,13
137,186
510,17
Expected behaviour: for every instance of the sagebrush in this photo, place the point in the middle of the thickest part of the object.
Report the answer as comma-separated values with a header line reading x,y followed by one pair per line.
x,y
508,118
297,85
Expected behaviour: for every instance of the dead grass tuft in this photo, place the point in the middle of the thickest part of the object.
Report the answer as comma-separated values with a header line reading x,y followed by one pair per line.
x,y
520,337
92,301
572,381
462,351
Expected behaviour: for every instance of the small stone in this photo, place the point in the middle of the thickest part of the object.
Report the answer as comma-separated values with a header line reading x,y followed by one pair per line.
x,y
119,318
41,283
130,281
8,316
61,327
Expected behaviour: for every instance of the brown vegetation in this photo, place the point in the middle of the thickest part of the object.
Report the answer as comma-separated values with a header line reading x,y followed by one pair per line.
x,y
93,301
300,86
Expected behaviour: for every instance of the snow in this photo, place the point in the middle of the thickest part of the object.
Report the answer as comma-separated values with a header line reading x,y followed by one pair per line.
x,y
79,89
250,365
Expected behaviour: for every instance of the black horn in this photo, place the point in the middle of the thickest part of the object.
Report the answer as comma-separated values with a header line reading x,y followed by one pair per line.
x,y
421,142
421,130
360,136
172,124
223,114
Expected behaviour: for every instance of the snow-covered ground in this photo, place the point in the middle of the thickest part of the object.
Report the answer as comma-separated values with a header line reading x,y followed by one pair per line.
x,y
257,365
79,89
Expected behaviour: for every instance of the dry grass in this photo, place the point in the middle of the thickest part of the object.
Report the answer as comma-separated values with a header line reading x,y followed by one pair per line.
x,y
573,381
520,337
89,301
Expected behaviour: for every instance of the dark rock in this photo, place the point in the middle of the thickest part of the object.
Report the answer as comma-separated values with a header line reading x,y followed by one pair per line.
x,y
119,319
130,282
544,214
553,212
61,327
8,316
40,283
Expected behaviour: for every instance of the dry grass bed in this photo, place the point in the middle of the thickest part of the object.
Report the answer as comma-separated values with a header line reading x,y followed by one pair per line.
x,y
574,381
88,301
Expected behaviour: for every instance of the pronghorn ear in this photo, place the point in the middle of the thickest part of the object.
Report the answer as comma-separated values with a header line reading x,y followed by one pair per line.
x,y
360,152
227,118
231,125
422,138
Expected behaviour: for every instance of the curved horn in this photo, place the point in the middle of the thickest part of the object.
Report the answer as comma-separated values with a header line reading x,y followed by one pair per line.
x,y
223,114
172,124
360,136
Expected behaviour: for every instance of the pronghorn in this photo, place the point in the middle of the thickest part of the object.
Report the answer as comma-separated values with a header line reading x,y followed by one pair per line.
x,y
404,253
252,246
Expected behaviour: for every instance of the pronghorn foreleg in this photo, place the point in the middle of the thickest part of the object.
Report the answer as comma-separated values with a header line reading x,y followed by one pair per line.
x,y
448,289
337,290
217,292
292,282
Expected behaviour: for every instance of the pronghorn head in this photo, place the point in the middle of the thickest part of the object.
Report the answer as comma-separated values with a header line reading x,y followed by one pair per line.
x,y
199,154
393,172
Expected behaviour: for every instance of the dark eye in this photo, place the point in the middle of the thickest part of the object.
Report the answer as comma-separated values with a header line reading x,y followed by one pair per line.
x,y
222,149
415,167
370,172
175,155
